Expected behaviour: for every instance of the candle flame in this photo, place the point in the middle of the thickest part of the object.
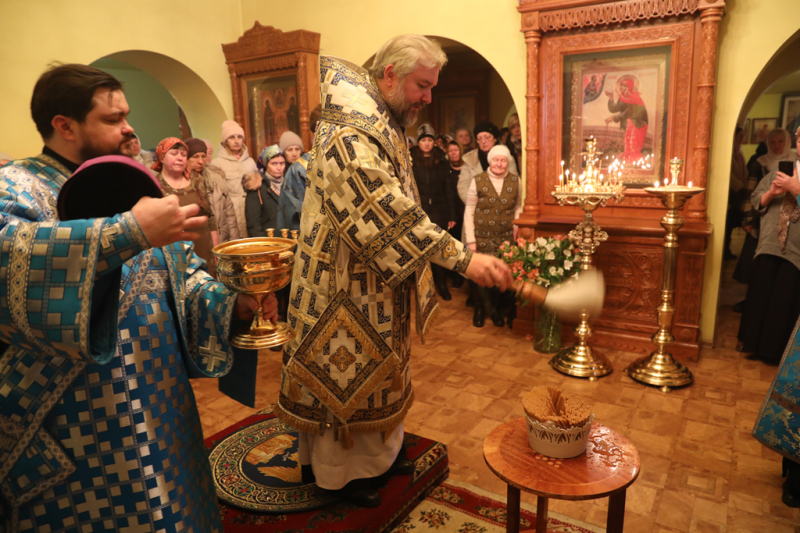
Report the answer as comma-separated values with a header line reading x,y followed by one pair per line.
x,y
656,185
690,184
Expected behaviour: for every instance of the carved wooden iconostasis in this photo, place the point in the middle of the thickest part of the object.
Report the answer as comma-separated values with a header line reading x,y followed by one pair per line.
x,y
275,83
579,52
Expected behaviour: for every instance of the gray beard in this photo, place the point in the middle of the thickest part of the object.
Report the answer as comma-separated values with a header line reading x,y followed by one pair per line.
x,y
400,107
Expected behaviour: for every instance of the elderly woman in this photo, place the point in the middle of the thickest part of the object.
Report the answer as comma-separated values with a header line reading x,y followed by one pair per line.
x,y
493,203
772,304
176,178
263,192
475,162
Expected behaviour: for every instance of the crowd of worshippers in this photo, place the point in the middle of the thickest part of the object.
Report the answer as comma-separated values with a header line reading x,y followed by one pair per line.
x,y
762,201
469,185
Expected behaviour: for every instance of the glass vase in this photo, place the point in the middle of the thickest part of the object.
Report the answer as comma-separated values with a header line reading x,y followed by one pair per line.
x,y
547,332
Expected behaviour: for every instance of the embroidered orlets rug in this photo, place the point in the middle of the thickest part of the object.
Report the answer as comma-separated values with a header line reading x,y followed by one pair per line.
x,y
254,466
456,507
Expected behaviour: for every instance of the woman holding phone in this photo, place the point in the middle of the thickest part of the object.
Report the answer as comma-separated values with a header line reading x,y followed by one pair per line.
x,y
772,305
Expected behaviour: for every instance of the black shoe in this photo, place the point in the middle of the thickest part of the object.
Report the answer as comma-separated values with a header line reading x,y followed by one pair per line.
x,y
791,490
307,474
470,301
458,282
444,294
478,317
740,347
728,255
497,319
788,498
402,466
738,307
359,492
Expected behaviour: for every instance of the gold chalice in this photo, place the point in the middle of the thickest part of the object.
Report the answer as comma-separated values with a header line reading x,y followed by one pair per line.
x,y
258,266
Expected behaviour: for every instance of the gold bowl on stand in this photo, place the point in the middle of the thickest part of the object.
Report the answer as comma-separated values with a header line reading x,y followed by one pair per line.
x,y
257,266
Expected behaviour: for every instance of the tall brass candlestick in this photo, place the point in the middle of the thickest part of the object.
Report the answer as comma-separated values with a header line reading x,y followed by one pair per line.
x,y
659,368
580,360
590,193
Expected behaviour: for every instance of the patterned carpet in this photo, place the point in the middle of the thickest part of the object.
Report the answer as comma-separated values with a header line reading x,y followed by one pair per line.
x,y
259,483
456,507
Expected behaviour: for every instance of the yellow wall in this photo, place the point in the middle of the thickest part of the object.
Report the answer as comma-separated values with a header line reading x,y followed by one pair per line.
x,y
36,32
490,27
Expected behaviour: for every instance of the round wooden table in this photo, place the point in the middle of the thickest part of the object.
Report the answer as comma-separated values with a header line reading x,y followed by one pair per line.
x,y
609,466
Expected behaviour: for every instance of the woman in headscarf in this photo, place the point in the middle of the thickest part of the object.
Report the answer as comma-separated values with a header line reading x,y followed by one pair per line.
x,y
779,148
263,192
494,202
772,304
764,161
175,178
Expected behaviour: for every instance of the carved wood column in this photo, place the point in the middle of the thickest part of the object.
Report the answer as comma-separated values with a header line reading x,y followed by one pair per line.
x,y
531,210
237,97
709,20
302,99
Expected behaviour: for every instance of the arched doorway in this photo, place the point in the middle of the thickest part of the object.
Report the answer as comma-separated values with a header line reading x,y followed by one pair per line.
x,y
772,101
159,78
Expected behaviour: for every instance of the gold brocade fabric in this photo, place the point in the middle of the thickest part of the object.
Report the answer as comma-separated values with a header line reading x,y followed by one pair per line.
x,y
364,247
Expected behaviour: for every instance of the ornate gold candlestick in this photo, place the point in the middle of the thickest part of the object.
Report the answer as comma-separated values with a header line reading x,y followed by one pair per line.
x,y
258,266
587,191
659,368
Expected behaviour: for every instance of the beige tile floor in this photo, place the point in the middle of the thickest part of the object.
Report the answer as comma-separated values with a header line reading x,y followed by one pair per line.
x,y
701,470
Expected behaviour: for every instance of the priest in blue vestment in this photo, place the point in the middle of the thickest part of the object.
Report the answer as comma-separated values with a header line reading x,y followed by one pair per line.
x,y
106,320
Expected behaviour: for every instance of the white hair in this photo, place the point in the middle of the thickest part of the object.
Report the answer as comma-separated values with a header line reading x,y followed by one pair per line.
x,y
406,53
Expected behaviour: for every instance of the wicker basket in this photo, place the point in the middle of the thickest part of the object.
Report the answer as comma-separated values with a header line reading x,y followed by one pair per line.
x,y
553,441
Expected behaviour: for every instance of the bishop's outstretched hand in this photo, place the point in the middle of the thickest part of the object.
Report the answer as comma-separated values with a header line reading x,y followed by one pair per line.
x,y
488,271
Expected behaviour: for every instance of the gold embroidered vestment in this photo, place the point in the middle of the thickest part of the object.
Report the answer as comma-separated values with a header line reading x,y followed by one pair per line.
x,y
364,248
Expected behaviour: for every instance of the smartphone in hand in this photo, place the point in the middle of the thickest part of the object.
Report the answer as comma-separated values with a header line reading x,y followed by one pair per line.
x,y
787,167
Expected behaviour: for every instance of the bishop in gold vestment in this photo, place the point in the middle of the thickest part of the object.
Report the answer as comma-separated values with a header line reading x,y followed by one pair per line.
x,y
363,257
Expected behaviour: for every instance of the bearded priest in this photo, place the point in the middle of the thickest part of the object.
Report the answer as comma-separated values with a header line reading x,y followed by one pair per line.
x,y
363,257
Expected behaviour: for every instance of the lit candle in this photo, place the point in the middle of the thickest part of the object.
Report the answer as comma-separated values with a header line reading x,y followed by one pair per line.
x,y
690,184
656,185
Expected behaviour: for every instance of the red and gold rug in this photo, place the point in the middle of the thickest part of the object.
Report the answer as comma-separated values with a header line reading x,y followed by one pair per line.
x,y
257,475
463,508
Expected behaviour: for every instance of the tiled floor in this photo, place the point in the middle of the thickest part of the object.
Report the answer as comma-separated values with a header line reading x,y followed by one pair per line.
x,y
701,469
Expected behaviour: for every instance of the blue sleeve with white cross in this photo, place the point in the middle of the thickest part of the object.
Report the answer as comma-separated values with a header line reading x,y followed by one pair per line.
x,y
59,281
